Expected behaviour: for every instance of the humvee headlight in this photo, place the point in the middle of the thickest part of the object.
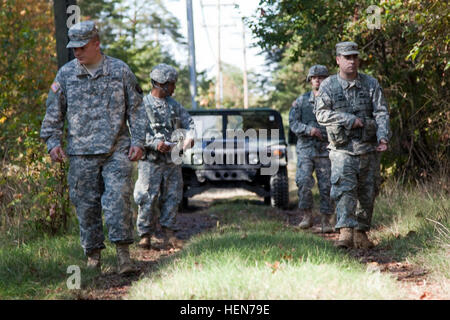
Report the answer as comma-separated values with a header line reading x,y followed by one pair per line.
x,y
253,158
197,158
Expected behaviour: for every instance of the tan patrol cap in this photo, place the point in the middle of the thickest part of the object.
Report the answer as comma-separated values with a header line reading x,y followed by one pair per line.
x,y
81,33
346,48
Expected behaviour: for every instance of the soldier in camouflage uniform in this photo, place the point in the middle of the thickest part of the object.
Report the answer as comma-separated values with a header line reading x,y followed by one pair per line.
x,y
352,107
159,188
312,153
97,95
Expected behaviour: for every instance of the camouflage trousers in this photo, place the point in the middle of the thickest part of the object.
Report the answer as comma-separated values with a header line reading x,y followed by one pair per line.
x,y
99,182
158,192
305,181
355,182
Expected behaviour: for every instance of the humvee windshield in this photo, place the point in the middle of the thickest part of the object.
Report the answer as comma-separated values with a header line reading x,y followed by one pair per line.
x,y
212,126
208,126
252,120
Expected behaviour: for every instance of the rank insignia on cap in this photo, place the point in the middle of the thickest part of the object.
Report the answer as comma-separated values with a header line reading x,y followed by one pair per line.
x,y
55,87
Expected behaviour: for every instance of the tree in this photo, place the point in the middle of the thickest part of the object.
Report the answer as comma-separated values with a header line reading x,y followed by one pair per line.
x,y
408,55
30,188
140,33
233,89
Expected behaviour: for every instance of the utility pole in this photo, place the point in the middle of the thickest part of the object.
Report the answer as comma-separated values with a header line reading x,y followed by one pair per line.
x,y
219,87
191,41
64,55
219,77
61,16
244,52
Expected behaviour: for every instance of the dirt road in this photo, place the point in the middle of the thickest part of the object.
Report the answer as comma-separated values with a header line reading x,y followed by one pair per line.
x,y
195,219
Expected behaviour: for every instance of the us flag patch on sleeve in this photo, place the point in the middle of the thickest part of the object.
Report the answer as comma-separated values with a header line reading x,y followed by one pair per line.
x,y
55,87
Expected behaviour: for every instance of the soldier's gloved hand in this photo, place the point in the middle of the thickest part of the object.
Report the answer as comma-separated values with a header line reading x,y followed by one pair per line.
x,y
162,147
358,123
382,146
57,154
135,153
189,143
316,133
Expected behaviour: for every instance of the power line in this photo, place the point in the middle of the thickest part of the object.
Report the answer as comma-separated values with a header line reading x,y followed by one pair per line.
x,y
219,76
206,30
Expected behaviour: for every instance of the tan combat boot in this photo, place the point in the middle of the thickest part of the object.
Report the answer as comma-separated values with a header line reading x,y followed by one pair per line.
x,y
94,259
326,221
345,238
145,242
123,258
171,240
157,242
361,241
307,219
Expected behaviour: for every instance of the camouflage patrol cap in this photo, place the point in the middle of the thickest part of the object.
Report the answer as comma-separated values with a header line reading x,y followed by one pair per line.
x,y
81,33
163,73
346,48
317,70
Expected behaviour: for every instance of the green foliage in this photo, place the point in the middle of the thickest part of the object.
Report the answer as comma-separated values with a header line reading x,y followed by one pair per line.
x,y
33,192
289,82
32,197
139,33
233,89
408,55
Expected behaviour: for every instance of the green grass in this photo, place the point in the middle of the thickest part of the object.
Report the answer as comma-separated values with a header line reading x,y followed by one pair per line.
x,y
37,269
414,225
252,255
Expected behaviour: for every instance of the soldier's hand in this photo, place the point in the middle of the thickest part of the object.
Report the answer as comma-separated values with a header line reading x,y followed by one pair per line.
x,y
57,154
189,143
315,132
358,123
162,147
135,153
382,146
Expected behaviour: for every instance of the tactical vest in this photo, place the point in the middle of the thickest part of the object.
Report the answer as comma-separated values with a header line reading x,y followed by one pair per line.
x,y
163,125
308,117
361,106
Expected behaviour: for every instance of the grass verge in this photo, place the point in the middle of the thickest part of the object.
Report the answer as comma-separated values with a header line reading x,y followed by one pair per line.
x,y
39,268
253,255
414,225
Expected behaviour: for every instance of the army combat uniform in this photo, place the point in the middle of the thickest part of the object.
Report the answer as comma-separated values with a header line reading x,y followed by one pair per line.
x,y
97,109
159,188
312,154
355,163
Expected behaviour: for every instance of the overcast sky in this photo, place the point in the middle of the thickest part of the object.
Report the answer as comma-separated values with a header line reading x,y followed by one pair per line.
x,y
231,34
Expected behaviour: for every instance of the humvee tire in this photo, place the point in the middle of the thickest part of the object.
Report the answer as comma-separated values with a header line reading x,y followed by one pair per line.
x,y
279,189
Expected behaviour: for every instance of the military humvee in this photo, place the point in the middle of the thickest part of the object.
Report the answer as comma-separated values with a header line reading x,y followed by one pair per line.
x,y
238,148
